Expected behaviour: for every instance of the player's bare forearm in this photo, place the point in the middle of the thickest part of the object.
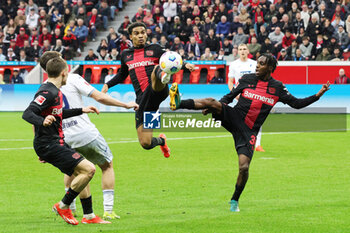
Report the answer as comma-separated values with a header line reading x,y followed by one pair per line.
x,y
108,100
325,87
104,88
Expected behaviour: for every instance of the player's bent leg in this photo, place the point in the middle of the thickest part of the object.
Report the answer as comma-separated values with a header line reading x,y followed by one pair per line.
x,y
83,173
244,162
159,78
196,104
146,139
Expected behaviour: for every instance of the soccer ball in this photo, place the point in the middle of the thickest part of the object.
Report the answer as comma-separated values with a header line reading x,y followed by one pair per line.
x,y
170,62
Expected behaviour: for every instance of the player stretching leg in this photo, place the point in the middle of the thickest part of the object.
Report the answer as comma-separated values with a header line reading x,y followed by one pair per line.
x,y
259,93
237,69
150,84
82,135
46,114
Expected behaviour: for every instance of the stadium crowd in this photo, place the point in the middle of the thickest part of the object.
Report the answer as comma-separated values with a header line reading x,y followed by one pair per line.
x,y
28,28
210,30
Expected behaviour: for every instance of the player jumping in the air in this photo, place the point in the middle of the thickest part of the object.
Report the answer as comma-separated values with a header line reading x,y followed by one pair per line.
x,y
259,93
82,135
45,113
150,83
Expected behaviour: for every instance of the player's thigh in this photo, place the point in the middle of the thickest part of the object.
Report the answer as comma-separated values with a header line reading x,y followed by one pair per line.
x,y
84,167
144,135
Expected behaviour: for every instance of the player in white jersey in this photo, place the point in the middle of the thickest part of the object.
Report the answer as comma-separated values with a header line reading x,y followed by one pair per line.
x,y
82,135
243,65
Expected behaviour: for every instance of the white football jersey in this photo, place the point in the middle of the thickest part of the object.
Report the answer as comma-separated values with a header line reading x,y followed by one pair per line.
x,y
79,130
238,68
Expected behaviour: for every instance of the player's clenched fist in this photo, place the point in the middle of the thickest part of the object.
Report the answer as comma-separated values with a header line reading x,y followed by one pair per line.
x,y
91,109
48,120
132,105
325,87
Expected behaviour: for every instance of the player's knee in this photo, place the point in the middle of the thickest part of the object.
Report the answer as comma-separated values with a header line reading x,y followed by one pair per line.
x,y
244,168
91,169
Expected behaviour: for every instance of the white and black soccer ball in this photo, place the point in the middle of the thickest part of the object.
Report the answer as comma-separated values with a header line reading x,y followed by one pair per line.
x,y
170,62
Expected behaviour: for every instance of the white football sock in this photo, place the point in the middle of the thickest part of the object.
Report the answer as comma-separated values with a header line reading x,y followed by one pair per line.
x,y
108,200
89,216
258,138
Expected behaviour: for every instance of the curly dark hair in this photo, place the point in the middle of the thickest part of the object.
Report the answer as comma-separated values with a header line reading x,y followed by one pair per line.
x,y
134,25
271,61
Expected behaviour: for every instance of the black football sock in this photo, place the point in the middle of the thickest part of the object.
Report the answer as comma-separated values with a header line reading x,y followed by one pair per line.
x,y
87,205
187,104
156,142
238,192
69,197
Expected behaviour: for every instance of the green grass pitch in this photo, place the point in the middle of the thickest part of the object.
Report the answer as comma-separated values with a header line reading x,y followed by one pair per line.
x,y
300,184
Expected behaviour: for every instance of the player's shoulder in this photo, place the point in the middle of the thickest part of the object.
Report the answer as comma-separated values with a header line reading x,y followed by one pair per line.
x,y
276,82
153,46
127,52
48,90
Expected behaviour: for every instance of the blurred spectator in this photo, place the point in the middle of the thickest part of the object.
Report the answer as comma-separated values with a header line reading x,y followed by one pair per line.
x,y
208,24
36,49
164,43
139,14
70,43
81,33
148,17
276,38
93,23
157,4
114,55
332,44
324,56
103,45
227,47
212,42
267,47
260,22
177,45
70,26
283,56
16,77
336,55
239,38
21,38
207,55
32,19
110,75
103,54
347,23
23,57
254,47
46,47
55,17
11,56
146,5
123,28
342,37
297,23
68,16
28,49
342,78
307,49
293,12
287,39
298,56
59,47
45,36
191,57
174,29
104,13
3,19
20,16
198,35
56,36
285,24
80,4
91,56
337,22
163,25
186,30
223,28
31,5
193,46
81,14
221,55
11,23
112,42
184,14
305,16
217,78
2,56
291,50
243,16
313,29
14,47
2,78
34,36
244,4
170,9
123,43
10,35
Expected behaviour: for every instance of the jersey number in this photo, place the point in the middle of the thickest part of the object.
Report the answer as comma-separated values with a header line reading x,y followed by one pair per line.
x,y
252,141
65,101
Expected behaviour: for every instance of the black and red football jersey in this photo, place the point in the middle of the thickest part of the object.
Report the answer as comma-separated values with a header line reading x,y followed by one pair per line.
x,y
48,101
258,97
139,63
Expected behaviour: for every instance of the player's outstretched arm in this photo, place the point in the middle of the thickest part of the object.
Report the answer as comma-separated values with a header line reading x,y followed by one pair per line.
x,y
90,109
298,103
122,74
107,100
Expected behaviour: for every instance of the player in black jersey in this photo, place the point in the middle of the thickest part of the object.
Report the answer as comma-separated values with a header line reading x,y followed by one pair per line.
x,y
45,113
150,84
259,93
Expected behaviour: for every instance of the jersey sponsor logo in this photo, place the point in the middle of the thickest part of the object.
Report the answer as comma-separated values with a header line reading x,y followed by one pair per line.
x,y
266,100
140,64
149,53
56,111
40,99
128,56
69,124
